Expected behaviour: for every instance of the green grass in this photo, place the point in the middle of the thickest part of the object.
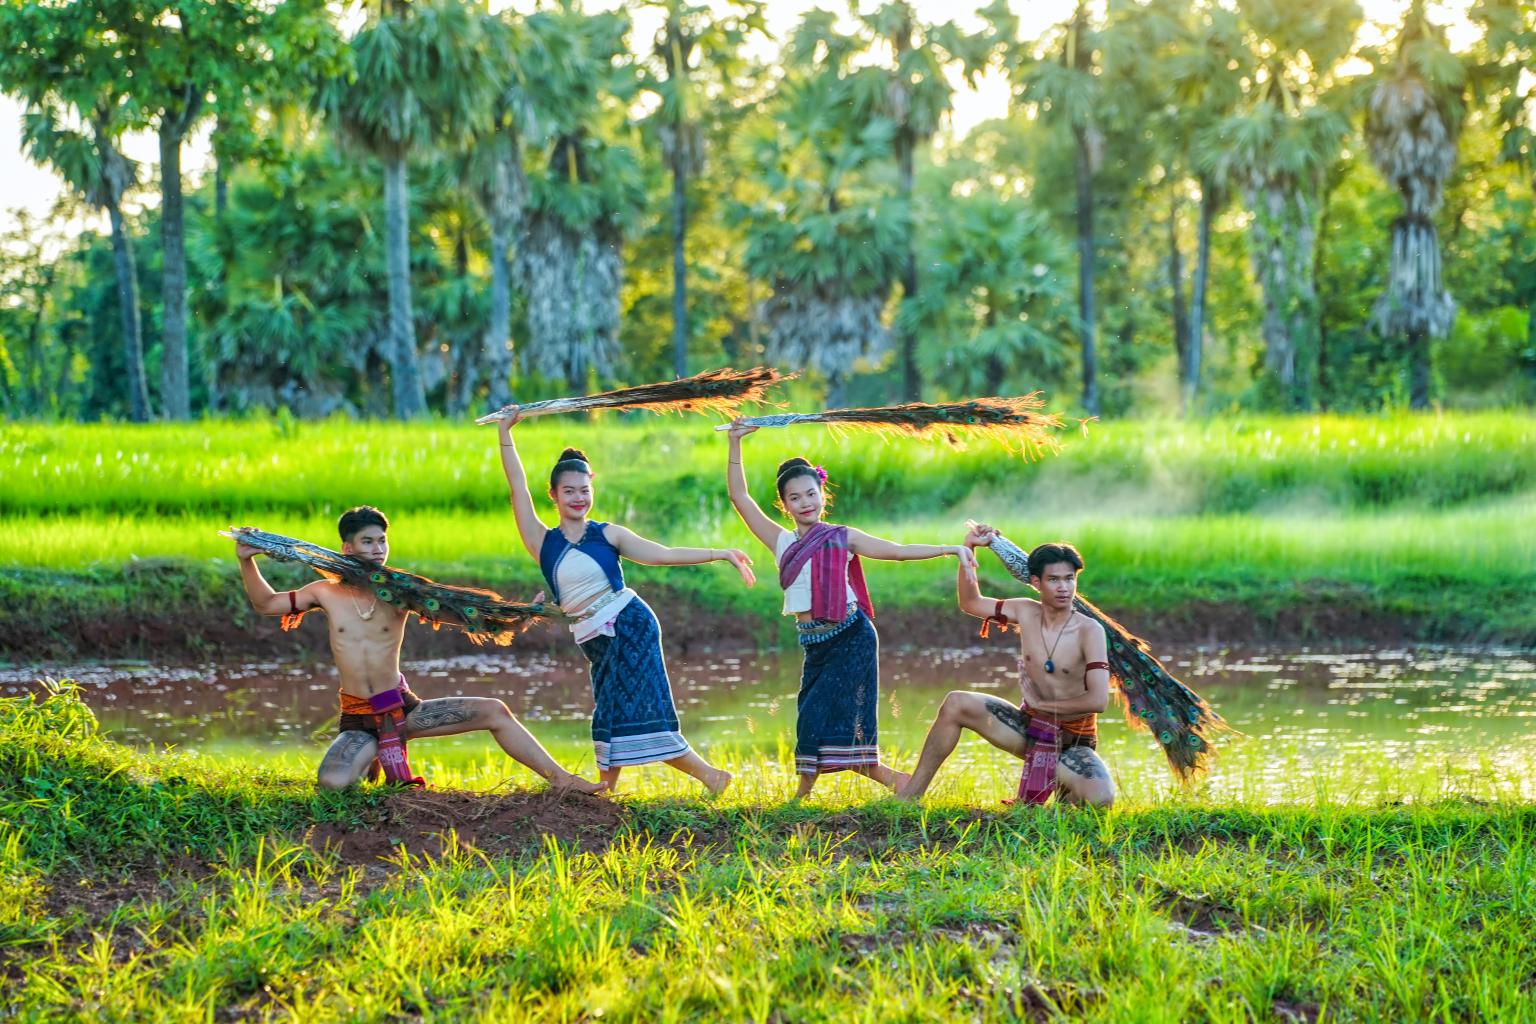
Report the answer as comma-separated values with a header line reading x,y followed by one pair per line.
x,y
167,887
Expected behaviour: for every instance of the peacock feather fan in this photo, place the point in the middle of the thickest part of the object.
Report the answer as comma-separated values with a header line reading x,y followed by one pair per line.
x,y
1016,423
721,391
482,615
1154,700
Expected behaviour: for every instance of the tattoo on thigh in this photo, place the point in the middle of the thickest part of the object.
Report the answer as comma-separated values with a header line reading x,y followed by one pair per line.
x,y
1082,761
344,750
1006,713
434,714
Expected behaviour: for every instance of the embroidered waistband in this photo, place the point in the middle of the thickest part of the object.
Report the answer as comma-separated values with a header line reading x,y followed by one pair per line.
x,y
819,630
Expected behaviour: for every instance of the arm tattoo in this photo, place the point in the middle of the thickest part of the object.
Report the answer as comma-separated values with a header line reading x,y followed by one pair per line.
x,y
1006,713
435,713
1013,558
1081,760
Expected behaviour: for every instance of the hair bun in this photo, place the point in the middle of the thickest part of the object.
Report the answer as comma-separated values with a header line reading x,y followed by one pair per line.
x,y
793,463
573,453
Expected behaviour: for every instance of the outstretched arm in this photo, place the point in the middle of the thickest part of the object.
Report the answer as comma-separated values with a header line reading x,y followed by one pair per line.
x,y
861,543
264,599
647,552
968,591
529,526
762,527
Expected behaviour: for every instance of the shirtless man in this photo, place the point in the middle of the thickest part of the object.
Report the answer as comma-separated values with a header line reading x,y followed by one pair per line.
x,y
365,641
1063,680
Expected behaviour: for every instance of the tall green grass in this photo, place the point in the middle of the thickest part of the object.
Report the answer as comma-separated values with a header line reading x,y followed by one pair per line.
x,y
669,471
748,909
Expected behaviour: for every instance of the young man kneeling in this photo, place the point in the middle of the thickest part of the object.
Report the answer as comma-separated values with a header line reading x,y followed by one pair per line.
x,y
379,713
1063,683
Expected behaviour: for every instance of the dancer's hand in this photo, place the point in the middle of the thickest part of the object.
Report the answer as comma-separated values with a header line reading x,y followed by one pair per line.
x,y
743,564
242,549
740,429
967,560
979,534
506,417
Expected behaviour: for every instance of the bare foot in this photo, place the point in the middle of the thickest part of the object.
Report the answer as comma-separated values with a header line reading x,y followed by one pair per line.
x,y
899,781
569,783
718,781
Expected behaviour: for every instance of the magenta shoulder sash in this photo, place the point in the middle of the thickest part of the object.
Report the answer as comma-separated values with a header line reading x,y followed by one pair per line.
x,y
832,572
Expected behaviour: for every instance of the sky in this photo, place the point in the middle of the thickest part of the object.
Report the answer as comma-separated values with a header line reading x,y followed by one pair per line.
x,y
26,186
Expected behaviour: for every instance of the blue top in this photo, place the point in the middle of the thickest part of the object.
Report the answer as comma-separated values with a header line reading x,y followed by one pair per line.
x,y
593,544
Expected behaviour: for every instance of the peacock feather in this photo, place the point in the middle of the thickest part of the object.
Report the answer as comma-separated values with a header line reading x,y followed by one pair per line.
x,y
1016,423
719,391
482,615
1153,699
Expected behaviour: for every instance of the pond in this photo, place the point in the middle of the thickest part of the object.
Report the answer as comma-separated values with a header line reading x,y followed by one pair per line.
x,y
1415,723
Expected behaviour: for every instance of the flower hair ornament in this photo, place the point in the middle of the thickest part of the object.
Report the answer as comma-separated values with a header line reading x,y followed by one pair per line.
x,y
821,474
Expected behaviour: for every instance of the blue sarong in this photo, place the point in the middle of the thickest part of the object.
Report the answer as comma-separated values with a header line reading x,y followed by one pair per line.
x,y
633,718
838,705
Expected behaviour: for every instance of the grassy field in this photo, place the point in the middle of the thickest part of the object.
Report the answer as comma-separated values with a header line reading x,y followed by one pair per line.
x,y
148,886
1379,518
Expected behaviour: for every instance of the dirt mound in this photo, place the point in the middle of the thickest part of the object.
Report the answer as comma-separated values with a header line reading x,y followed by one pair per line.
x,y
422,822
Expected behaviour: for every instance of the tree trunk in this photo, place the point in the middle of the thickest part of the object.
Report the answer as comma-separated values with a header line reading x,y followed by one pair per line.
x,y
405,372
1194,345
498,330
1283,249
173,377
1418,370
128,309
1085,309
911,380
679,260
1176,288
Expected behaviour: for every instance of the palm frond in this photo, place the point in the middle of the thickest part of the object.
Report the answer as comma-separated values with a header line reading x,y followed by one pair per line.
x,y
1014,423
482,615
719,391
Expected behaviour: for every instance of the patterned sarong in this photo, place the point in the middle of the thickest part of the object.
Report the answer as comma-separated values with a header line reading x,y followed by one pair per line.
x,y
837,724
383,716
1045,739
633,718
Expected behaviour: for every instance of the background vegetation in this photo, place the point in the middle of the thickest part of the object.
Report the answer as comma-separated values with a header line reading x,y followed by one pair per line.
x,y
1198,204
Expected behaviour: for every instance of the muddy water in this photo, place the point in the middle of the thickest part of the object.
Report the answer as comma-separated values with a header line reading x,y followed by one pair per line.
x,y
1454,719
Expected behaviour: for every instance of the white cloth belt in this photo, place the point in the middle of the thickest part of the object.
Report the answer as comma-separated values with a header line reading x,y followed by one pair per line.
x,y
598,619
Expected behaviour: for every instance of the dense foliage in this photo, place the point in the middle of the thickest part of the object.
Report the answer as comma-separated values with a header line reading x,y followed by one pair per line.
x,y
1199,204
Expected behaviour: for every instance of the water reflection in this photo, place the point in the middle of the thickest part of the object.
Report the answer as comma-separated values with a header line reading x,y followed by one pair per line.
x,y
1418,708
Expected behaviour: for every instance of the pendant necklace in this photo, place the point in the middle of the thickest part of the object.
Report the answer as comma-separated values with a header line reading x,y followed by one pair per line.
x,y
367,615
1050,664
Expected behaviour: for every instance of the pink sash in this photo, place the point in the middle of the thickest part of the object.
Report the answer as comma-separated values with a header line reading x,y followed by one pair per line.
x,y
832,572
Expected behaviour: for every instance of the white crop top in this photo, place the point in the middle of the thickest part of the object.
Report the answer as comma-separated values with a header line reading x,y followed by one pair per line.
x,y
797,596
581,580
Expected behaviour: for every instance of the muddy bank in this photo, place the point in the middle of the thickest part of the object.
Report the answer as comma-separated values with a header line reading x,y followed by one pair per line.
x,y
178,612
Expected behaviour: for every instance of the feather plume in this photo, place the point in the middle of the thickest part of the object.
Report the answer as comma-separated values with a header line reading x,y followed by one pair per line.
x,y
482,615
1153,699
1015,423
719,391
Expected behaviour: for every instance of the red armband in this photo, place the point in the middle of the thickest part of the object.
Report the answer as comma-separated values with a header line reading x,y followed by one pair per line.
x,y
291,620
1089,668
998,617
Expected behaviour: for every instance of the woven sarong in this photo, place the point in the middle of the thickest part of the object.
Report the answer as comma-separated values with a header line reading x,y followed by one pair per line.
x,y
633,718
839,701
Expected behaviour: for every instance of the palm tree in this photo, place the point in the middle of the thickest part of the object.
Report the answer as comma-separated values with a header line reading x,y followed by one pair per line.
x,y
576,84
1411,126
1275,151
420,76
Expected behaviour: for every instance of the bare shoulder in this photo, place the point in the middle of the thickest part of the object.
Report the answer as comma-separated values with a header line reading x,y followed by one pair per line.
x,y
1022,609
1090,633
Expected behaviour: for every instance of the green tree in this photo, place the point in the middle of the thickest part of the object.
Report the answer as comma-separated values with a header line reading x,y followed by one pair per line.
x,y
420,76
1276,150
1411,125
63,65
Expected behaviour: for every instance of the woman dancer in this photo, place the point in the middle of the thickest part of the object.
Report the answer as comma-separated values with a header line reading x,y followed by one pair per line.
x,y
836,728
634,720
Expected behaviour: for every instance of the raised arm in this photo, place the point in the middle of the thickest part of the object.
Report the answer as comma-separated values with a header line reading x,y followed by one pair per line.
x,y
264,599
762,527
968,590
529,526
648,552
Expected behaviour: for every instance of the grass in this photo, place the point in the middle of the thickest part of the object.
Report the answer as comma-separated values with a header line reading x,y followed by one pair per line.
x,y
168,887
1374,518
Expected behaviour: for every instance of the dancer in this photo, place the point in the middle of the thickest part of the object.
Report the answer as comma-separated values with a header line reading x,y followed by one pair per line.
x,y
379,713
1063,681
634,720
837,727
